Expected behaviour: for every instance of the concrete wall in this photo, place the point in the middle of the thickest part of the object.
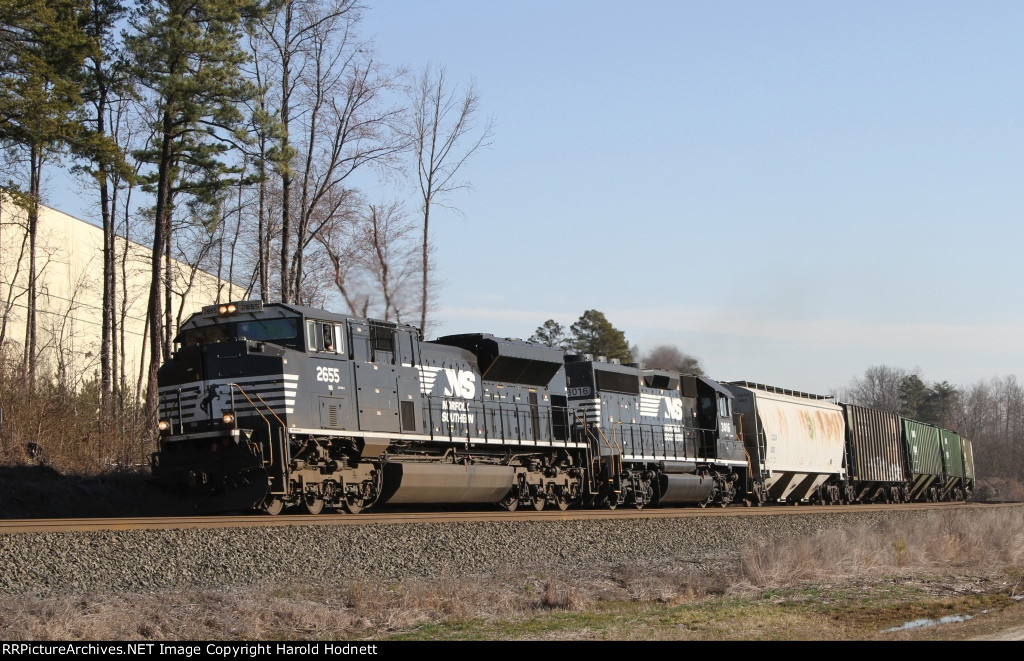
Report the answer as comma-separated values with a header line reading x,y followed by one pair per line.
x,y
69,264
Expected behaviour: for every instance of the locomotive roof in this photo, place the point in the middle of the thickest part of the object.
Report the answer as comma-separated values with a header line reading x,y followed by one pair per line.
x,y
303,310
509,359
327,315
715,385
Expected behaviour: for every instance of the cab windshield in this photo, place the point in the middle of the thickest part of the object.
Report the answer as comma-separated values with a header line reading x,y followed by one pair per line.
x,y
278,331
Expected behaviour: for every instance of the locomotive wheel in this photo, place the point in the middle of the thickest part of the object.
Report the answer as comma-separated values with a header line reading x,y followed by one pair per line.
x,y
539,500
511,501
353,504
562,499
273,506
312,505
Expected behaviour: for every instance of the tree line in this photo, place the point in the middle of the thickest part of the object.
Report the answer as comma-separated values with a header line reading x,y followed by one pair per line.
x,y
263,141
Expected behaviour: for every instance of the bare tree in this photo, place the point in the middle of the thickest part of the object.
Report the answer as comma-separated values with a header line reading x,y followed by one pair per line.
x,y
390,255
344,257
880,388
444,135
332,120
11,293
374,259
106,90
991,415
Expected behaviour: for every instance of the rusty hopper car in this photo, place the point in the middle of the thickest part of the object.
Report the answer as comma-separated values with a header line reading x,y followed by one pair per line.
x,y
876,463
795,442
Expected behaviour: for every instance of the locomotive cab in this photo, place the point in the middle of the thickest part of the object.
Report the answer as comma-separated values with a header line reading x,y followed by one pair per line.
x,y
258,397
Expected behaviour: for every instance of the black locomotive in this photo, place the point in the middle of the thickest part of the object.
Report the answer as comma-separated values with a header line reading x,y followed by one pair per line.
x,y
274,406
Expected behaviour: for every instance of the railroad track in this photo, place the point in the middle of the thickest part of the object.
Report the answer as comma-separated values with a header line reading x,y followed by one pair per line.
x,y
394,517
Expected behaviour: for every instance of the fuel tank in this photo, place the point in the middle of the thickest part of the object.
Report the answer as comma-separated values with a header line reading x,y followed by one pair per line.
x,y
445,483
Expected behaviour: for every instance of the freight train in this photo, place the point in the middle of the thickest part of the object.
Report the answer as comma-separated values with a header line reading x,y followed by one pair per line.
x,y
273,407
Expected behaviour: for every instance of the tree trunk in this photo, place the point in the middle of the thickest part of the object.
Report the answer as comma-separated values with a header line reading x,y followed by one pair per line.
x,y
161,227
35,177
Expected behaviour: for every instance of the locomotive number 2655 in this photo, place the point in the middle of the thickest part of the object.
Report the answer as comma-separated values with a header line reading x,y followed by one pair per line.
x,y
328,374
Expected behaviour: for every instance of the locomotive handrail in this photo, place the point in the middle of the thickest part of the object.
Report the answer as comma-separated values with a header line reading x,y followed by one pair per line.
x,y
618,446
616,465
492,415
181,419
587,449
671,441
270,433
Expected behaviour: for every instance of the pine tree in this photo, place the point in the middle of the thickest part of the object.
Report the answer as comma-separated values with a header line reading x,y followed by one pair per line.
x,y
42,48
594,334
187,55
105,84
551,334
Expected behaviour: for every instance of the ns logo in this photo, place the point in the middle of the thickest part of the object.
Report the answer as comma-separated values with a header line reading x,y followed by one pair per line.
x,y
671,409
456,383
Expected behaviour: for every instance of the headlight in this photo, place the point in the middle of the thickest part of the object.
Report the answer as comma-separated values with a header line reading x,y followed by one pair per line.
x,y
229,418
227,308
163,425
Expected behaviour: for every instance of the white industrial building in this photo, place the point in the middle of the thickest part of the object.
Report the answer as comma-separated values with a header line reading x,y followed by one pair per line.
x,y
69,266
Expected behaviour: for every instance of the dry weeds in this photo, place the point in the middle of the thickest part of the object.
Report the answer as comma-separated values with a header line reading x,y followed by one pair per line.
x,y
841,584
838,584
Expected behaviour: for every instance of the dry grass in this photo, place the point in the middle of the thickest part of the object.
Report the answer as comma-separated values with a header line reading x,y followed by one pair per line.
x,y
944,542
839,584
836,585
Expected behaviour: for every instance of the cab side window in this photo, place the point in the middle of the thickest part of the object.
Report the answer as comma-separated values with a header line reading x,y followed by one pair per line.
x,y
324,336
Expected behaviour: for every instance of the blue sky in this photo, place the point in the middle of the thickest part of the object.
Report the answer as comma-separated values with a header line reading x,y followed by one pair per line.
x,y
791,192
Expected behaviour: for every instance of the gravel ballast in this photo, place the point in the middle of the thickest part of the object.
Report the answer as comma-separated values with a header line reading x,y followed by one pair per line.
x,y
159,560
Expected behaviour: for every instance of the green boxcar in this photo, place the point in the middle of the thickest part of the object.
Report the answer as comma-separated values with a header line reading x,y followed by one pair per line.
x,y
924,453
